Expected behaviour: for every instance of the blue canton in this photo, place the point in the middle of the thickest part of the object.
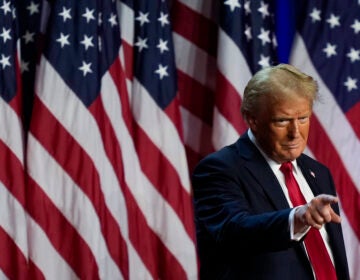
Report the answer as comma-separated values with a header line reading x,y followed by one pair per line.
x,y
250,24
153,50
83,40
8,52
331,30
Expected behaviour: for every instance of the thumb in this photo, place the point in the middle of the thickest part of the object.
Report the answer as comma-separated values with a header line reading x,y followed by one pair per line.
x,y
335,217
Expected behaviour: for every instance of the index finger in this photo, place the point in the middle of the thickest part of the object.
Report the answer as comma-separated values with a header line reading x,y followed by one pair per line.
x,y
327,198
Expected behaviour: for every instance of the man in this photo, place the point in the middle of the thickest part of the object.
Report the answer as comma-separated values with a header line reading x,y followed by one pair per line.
x,y
265,210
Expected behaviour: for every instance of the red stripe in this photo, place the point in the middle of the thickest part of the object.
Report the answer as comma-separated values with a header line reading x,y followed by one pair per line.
x,y
159,260
196,98
12,260
353,117
196,28
12,173
34,272
173,113
56,143
326,153
128,59
228,102
63,236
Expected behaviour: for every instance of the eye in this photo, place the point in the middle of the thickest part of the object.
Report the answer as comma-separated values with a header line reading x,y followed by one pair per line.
x,y
304,119
281,122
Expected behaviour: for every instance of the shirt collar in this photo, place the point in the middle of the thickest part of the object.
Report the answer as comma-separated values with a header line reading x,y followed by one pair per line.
x,y
273,164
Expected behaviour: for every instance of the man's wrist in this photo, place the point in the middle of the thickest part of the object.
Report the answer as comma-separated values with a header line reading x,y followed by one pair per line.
x,y
298,228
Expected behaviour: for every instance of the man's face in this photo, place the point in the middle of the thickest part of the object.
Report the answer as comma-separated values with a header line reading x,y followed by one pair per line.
x,y
282,129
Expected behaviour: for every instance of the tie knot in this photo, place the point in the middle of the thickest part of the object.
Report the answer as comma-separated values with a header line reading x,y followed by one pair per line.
x,y
286,167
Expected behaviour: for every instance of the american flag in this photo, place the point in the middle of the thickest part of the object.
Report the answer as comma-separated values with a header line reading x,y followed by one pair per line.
x,y
13,234
117,126
327,46
109,191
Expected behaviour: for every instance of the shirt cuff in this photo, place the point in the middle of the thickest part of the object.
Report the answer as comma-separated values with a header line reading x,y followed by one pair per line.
x,y
298,236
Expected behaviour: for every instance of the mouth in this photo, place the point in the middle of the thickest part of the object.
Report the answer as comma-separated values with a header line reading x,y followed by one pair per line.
x,y
291,146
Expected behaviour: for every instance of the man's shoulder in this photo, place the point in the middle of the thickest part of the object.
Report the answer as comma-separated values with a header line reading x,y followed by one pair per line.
x,y
235,150
223,154
310,162
229,157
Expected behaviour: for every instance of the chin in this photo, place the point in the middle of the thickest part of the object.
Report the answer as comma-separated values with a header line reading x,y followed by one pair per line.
x,y
294,156
288,156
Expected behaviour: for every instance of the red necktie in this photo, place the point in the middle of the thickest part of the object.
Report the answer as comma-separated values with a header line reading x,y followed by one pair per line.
x,y
318,255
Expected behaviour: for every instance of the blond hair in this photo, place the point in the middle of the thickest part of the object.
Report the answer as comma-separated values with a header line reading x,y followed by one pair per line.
x,y
278,82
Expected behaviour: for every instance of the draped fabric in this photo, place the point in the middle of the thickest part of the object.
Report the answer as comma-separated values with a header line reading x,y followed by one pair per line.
x,y
106,106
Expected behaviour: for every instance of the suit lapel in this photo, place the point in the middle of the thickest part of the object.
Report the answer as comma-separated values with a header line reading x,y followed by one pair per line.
x,y
310,176
269,183
261,171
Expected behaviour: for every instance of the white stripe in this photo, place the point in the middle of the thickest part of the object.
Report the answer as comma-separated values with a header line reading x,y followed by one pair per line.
x,y
194,130
73,204
195,62
66,99
13,219
10,130
223,131
3,276
159,215
167,139
126,17
232,64
45,13
331,116
44,256
308,152
18,52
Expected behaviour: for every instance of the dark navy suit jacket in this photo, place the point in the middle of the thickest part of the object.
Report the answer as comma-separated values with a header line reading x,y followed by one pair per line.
x,y
242,217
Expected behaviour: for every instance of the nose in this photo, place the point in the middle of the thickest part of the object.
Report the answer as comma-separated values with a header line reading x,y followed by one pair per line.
x,y
293,128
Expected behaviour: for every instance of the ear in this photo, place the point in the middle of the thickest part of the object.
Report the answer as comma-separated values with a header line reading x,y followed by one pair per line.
x,y
252,122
